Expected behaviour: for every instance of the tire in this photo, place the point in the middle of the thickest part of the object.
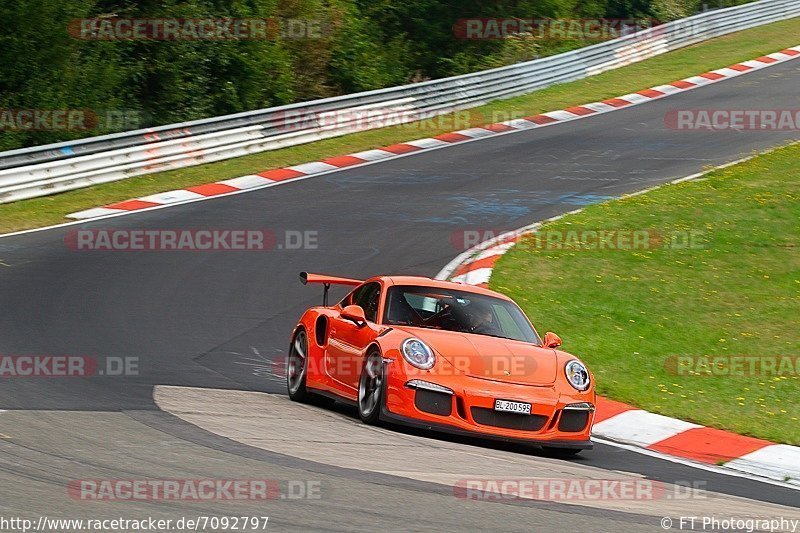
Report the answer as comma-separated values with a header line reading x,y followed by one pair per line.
x,y
297,368
561,453
370,389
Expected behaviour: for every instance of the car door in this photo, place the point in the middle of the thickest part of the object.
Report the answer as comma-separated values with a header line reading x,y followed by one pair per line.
x,y
347,340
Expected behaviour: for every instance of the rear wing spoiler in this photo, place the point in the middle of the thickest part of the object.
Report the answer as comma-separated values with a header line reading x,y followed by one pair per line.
x,y
327,281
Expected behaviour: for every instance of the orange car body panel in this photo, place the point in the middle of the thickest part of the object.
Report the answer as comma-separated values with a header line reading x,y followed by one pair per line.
x,y
337,352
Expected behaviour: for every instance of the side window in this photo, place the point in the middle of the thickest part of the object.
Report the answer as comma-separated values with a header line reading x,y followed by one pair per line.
x,y
368,296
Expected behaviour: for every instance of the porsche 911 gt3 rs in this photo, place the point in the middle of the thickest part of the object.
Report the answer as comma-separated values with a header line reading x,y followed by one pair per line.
x,y
443,356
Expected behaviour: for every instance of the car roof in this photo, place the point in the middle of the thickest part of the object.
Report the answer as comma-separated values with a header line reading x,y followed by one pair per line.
x,y
422,281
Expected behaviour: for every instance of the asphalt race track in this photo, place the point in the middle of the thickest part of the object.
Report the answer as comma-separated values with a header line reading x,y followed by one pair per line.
x,y
218,320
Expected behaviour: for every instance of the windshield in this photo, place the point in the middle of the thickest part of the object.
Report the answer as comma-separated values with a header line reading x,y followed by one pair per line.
x,y
454,310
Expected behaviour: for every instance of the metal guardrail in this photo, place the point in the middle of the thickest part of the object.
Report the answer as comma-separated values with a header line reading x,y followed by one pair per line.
x,y
44,170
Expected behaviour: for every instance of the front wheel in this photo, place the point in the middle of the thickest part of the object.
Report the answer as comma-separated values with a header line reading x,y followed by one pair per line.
x,y
370,389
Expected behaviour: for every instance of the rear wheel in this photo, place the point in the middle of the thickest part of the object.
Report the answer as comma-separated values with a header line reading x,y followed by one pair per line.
x,y
370,389
297,373
297,368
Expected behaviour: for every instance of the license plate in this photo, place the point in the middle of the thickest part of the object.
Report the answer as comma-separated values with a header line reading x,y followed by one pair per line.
x,y
512,407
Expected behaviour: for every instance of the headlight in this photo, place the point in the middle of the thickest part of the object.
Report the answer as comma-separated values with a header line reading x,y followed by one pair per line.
x,y
577,375
417,353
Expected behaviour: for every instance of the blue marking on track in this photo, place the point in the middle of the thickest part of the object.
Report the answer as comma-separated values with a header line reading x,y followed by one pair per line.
x,y
497,207
582,199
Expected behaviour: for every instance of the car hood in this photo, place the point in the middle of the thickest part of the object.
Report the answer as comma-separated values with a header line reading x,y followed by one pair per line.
x,y
493,358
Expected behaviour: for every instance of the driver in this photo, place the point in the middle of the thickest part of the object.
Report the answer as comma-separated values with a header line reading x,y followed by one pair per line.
x,y
480,319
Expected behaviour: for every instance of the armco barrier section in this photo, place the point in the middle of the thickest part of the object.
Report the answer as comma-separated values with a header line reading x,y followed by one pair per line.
x,y
43,170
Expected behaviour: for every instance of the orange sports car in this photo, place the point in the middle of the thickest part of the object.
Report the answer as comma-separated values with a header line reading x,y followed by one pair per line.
x,y
442,356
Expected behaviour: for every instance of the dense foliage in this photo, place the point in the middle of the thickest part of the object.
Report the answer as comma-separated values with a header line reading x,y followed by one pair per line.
x,y
365,44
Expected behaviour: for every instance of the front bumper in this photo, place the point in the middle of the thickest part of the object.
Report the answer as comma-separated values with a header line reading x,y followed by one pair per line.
x,y
469,410
452,430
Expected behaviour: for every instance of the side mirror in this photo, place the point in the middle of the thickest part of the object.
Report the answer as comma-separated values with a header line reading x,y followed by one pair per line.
x,y
551,340
356,314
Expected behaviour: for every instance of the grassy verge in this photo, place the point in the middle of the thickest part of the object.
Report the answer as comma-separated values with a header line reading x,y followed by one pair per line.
x,y
734,292
663,69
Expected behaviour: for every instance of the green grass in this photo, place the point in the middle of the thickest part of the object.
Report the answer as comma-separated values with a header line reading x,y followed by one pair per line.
x,y
736,292
687,62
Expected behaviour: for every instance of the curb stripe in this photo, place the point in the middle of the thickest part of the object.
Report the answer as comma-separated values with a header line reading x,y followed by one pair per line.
x,y
600,107
246,182
312,168
475,133
498,128
580,110
777,462
560,115
727,72
487,262
636,98
372,155
683,84
427,143
519,124
212,189
651,93
132,205
709,445
97,212
452,137
616,102
474,277
641,428
541,119
280,174
343,161
171,197
699,81
401,148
